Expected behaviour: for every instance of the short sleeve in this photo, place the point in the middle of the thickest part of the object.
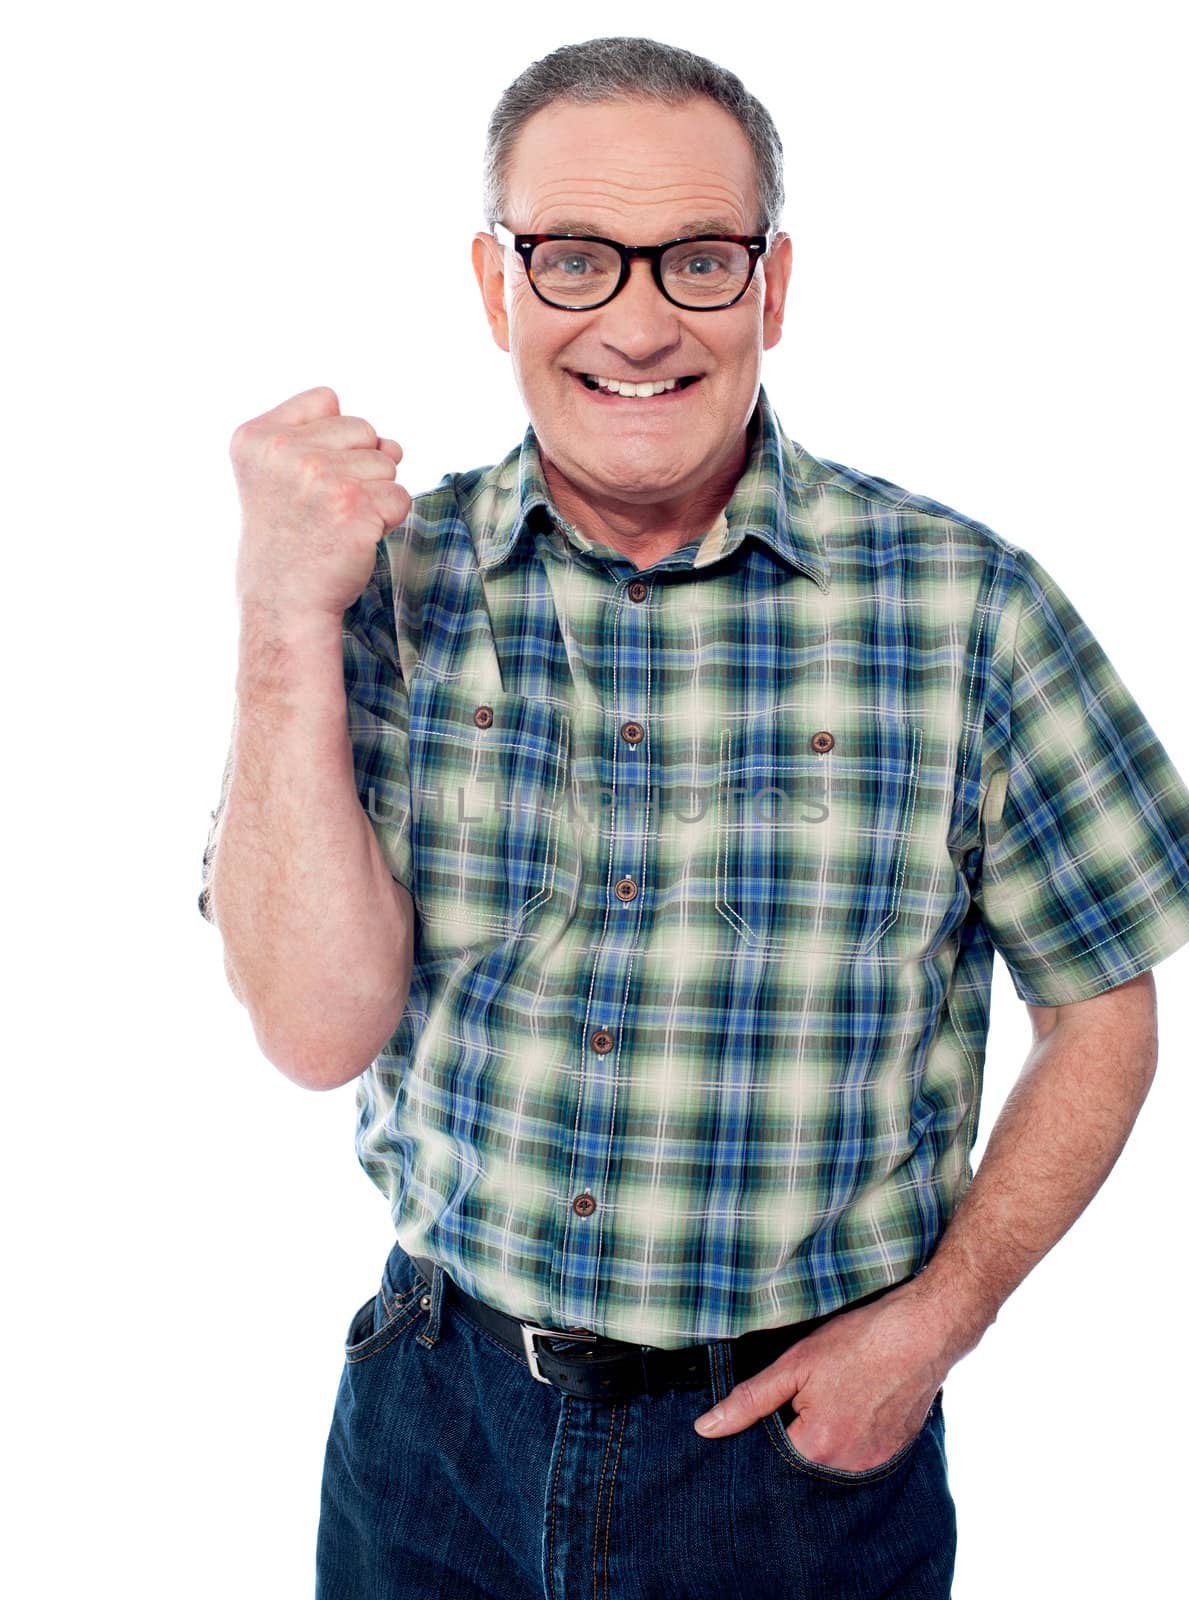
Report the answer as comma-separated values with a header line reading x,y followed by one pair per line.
x,y
378,717
1084,873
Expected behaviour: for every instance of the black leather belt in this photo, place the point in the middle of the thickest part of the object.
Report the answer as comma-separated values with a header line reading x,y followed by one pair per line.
x,y
596,1368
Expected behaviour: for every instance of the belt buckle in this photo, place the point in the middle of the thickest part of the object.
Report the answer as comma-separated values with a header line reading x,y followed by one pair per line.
x,y
527,1332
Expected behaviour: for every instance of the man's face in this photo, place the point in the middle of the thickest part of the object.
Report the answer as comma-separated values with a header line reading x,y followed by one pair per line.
x,y
641,173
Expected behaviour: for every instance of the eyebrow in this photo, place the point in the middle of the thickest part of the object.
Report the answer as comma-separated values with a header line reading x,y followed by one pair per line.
x,y
696,225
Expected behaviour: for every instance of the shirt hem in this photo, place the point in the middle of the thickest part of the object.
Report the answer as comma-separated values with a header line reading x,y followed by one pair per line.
x,y
1070,994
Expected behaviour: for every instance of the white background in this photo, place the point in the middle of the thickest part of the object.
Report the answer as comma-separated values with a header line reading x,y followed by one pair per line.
x,y
212,208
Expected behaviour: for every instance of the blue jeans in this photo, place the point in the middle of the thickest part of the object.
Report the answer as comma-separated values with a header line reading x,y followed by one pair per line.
x,y
451,1474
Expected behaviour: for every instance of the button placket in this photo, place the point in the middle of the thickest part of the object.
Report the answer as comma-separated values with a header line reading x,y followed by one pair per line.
x,y
623,760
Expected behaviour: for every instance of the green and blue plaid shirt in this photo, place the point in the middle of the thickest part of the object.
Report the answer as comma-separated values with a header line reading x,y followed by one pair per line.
x,y
710,861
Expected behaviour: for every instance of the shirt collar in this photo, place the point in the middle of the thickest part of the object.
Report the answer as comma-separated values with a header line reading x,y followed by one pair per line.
x,y
772,500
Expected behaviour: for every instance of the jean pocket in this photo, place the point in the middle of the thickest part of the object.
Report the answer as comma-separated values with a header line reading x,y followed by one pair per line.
x,y
488,775
395,1308
812,830
778,1424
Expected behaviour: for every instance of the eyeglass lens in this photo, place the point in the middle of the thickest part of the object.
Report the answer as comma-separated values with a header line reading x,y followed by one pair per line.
x,y
577,272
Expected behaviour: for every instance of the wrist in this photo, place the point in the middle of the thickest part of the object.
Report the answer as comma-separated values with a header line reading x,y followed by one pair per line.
x,y
295,657
954,1304
269,619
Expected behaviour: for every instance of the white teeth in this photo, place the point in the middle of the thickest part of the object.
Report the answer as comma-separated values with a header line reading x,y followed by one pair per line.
x,y
639,390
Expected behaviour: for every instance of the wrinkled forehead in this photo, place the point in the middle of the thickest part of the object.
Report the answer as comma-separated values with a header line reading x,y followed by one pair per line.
x,y
640,166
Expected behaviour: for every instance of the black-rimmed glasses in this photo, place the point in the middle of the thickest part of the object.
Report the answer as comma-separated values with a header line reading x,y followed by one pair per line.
x,y
578,271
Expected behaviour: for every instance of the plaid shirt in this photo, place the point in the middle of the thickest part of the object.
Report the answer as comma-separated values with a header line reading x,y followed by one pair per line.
x,y
710,861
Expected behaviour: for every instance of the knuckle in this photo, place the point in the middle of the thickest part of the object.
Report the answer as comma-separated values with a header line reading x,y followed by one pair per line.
x,y
749,1395
347,498
243,438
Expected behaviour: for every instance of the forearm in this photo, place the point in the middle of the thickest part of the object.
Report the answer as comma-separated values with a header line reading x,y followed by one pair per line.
x,y
314,937
1057,1137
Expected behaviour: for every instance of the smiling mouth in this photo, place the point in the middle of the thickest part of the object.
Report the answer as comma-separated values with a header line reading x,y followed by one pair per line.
x,y
631,390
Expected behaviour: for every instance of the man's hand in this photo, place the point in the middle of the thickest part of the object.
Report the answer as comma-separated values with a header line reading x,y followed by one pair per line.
x,y
317,494
861,1384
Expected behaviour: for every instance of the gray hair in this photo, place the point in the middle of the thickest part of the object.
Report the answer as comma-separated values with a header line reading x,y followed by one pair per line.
x,y
628,69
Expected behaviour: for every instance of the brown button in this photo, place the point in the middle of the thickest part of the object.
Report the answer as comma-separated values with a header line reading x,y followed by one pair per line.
x,y
601,1041
626,889
637,590
632,732
822,741
483,717
584,1204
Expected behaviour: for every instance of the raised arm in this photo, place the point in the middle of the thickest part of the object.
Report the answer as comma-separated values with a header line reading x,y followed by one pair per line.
x,y
317,933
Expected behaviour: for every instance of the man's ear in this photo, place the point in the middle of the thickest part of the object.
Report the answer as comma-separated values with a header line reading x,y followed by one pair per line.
x,y
778,264
487,258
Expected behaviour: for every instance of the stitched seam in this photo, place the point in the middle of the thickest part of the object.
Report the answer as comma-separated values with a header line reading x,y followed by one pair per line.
x,y
560,765
906,834
513,921
788,1452
870,939
393,1332
622,1412
561,1450
967,725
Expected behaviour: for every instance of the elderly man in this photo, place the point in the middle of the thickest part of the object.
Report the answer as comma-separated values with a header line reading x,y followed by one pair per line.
x,y
635,821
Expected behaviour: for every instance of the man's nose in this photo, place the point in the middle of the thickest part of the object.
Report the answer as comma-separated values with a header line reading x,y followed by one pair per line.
x,y
639,317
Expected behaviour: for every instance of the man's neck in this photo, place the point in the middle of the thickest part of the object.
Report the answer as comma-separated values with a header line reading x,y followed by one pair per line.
x,y
646,533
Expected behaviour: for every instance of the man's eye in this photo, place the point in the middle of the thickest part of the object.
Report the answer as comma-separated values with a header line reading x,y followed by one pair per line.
x,y
702,266
575,266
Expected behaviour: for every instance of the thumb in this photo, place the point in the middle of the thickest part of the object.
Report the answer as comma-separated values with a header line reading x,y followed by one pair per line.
x,y
750,1399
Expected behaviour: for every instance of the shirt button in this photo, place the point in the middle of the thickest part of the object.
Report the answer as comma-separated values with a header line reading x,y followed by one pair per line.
x,y
601,1041
632,732
584,1204
637,590
822,741
626,889
483,717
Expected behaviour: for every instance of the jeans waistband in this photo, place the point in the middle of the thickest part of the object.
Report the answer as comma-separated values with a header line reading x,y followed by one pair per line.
x,y
594,1367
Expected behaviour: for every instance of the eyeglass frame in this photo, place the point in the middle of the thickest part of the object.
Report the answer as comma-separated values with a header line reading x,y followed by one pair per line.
x,y
757,247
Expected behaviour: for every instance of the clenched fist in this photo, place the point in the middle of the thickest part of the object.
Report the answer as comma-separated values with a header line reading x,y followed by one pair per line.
x,y
317,493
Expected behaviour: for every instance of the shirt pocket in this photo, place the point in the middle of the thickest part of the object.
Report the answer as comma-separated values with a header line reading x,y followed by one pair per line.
x,y
488,779
813,826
